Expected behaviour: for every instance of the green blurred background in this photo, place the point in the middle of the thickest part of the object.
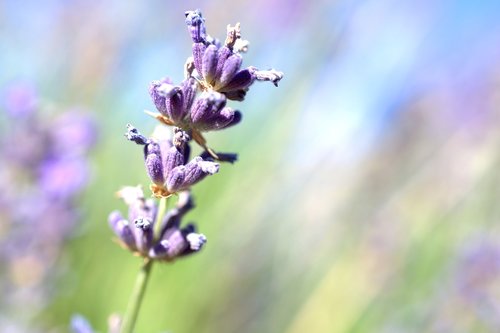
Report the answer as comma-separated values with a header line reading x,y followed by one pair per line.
x,y
367,183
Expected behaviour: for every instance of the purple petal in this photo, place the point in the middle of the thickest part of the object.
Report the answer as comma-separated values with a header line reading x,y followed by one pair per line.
x,y
207,106
231,66
160,250
175,179
222,55
196,25
142,209
153,163
114,217
224,119
175,107
242,80
198,52
198,169
122,229
236,95
178,244
173,159
189,87
209,64
144,234
158,98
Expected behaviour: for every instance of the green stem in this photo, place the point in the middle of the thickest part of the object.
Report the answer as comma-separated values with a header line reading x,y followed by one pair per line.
x,y
135,301
136,298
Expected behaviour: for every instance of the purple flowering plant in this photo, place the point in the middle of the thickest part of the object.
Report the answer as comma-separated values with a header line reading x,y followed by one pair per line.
x,y
45,168
213,75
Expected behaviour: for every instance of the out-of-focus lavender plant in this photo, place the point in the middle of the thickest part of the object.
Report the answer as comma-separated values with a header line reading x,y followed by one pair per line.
x,y
44,168
212,76
471,301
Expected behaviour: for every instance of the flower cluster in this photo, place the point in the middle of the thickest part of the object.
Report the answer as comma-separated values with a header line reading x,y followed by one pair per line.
x,y
213,75
137,232
214,70
44,168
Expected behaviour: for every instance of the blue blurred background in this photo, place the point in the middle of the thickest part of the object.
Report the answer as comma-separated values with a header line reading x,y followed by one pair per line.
x,y
365,195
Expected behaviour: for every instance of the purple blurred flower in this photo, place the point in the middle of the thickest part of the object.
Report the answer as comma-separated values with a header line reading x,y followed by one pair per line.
x,y
136,232
44,167
63,177
74,132
80,325
20,99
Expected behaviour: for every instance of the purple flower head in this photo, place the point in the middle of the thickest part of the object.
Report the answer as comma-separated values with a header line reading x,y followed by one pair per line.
x,y
167,162
173,102
136,232
219,67
209,113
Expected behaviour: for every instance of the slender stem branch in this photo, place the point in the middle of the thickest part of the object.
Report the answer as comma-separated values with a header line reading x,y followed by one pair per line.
x,y
136,298
141,281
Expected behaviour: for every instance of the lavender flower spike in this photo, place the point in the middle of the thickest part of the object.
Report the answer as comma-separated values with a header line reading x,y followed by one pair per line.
x,y
172,242
219,67
173,102
167,164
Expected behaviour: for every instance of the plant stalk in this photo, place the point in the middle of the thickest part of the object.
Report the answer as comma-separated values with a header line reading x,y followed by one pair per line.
x,y
136,298
141,281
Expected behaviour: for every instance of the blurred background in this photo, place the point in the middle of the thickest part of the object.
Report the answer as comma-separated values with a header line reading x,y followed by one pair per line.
x,y
364,198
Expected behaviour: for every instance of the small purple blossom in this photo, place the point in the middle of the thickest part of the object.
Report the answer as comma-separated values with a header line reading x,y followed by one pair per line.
x,y
136,232
219,67
210,113
167,162
174,102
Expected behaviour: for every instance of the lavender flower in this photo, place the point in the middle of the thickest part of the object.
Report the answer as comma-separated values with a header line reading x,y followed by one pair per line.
x,y
174,102
146,231
219,67
136,232
167,162
215,69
